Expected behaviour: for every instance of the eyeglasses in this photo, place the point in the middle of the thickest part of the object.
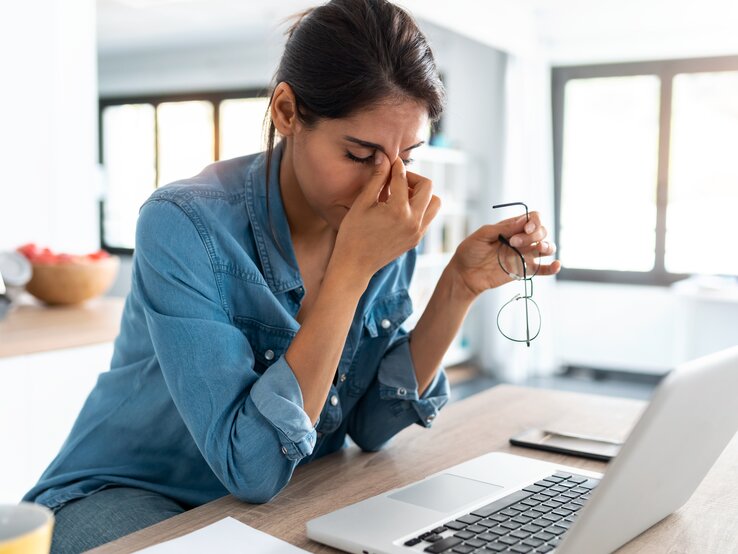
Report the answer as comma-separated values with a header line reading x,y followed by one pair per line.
x,y
521,265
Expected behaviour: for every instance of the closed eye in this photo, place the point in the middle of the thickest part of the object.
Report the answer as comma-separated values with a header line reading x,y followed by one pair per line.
x,y
370,159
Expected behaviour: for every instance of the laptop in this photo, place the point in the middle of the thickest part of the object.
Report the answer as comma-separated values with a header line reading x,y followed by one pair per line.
x,y
499,502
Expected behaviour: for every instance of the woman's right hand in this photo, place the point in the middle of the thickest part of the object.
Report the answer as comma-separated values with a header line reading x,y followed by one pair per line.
x,y
374,232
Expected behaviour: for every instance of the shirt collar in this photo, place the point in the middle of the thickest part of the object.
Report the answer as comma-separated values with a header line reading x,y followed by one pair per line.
x,y
274,242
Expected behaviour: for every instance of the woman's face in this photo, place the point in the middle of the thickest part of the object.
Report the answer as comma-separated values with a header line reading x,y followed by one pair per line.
x,y
335,159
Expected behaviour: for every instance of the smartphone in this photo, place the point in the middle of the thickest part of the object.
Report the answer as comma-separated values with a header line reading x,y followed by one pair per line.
x,y
565,443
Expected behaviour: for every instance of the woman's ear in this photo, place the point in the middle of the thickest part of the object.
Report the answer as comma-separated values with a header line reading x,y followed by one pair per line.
x,y
284,110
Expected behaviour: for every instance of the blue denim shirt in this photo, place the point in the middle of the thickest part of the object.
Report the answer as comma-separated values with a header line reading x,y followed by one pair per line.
x,y
199,400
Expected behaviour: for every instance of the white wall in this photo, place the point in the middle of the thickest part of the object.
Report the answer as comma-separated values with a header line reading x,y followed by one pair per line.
x,y
48,136
583,32
199,67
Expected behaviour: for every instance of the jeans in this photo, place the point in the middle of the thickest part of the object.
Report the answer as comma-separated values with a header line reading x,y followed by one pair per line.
x,y
107,515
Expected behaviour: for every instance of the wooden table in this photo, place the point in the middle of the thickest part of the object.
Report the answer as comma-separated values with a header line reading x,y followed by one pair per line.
x,y
705,524
33,327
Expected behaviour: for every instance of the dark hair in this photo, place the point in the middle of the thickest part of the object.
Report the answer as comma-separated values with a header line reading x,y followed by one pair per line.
x,y
348,55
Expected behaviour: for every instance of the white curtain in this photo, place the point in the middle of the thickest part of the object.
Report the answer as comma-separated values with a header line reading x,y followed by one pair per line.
x,y
527,176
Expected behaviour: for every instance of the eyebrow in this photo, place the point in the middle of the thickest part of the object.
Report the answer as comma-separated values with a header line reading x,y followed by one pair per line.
x,y
376,146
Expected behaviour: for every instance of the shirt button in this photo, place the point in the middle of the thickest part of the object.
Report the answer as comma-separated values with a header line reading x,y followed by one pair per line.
x,y
430,418
269,354
402,391
334,400
284,450
386,324
342,378
301,290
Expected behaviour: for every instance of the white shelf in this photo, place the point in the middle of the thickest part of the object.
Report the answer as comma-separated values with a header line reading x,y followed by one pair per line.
x,y
456,354
439,259
440,154
448,169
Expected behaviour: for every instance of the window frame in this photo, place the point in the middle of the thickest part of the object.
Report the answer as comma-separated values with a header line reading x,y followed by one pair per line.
x,y
665,70
215,97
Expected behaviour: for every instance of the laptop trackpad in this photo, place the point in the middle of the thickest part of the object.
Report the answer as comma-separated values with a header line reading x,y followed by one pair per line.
x,y
445,492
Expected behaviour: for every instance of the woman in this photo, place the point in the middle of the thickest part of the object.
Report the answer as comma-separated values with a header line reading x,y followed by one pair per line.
x,y
263,322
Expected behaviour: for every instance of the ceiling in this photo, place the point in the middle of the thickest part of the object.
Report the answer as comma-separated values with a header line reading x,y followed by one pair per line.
x,y
563,28
126,25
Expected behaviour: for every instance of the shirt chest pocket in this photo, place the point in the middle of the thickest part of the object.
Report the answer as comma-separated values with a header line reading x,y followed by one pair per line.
x,y
387,314
267,342
380,323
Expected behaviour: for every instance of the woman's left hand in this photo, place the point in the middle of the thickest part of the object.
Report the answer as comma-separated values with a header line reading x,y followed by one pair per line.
x,y
475,261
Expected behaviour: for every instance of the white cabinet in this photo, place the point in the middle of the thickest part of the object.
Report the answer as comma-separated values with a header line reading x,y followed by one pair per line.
x,y
40,397
707,316
452,174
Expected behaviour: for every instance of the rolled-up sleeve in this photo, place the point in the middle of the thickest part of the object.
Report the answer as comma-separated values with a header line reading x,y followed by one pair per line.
x,y
278,397
392,401
251,429
397,381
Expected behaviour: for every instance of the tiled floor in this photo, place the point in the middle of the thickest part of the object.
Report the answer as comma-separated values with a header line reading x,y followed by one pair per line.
x,y
467,380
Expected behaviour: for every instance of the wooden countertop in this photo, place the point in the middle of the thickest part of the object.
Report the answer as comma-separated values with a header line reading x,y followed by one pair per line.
x,y
32,327
702,525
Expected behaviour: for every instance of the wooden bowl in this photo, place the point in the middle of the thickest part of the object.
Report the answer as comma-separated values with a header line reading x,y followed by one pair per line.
x,y
72,282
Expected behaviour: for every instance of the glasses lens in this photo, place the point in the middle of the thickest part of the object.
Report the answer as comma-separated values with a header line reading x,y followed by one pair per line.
x,y
511,319
518,263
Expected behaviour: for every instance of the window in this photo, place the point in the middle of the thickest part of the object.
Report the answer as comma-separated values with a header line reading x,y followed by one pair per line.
x,y
703,174
646,180
148,142
239,118
185,139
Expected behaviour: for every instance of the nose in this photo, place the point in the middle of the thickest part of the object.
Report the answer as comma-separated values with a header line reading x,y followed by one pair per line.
x,y
392,155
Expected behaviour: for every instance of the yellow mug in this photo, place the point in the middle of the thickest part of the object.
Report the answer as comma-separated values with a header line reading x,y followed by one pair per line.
x,y
25,528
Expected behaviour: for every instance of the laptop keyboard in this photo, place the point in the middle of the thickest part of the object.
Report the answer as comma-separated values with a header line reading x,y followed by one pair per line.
x,y
533,519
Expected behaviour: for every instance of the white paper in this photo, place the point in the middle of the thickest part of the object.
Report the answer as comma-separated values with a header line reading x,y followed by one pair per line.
x,y
224,536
